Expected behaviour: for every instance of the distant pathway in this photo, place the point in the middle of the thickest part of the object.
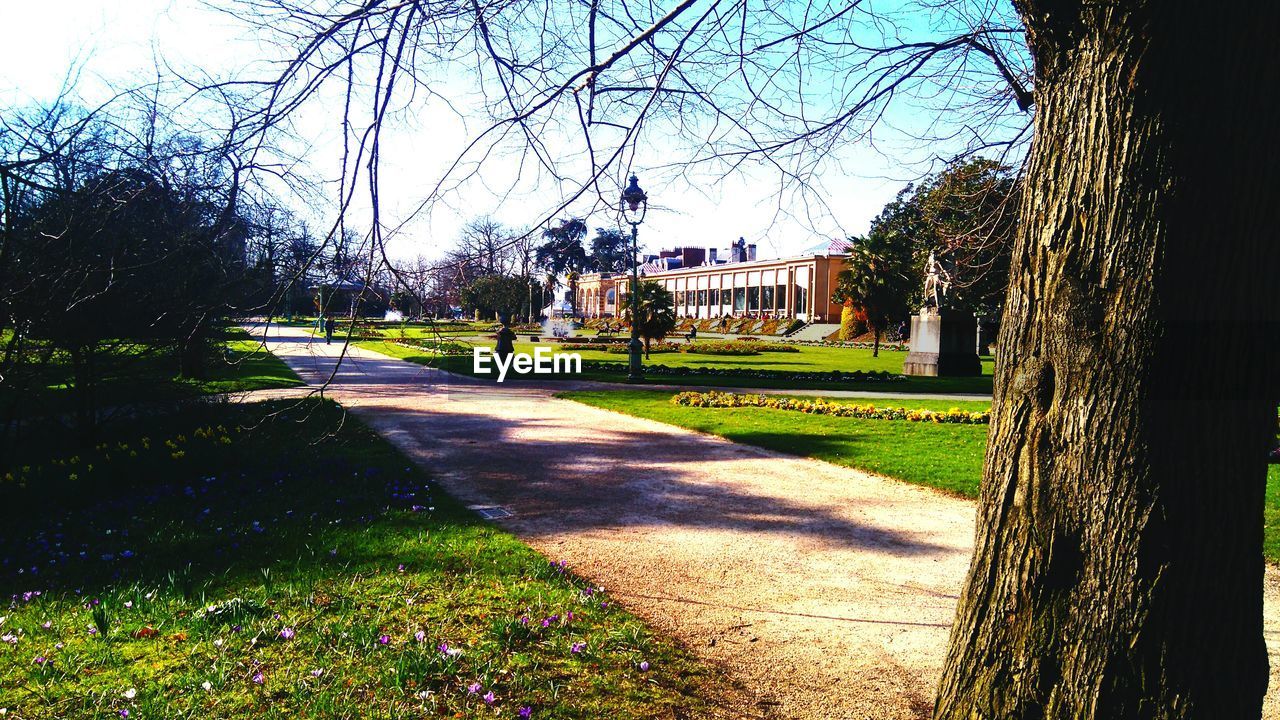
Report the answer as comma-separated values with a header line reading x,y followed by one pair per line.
x,y
826,591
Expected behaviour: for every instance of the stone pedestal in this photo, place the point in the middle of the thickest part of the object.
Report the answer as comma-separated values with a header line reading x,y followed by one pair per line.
x,y
943,344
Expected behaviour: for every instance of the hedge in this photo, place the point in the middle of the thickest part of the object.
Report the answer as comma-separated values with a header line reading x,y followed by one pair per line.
x,y
715,399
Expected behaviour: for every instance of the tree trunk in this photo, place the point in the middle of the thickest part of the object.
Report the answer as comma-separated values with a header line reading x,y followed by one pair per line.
x,y
875,344
1118,566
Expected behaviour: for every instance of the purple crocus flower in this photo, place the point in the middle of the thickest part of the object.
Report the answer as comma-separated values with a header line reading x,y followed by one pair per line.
x,y
287,633
644,665
526,712
473,688
489,698
420,636
258,679
577,647
384,640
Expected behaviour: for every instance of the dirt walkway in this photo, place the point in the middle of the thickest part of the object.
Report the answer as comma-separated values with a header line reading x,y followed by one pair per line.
x,y
826,591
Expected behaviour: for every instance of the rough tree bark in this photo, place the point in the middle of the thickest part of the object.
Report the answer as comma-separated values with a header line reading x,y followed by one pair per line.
x,y
1118,565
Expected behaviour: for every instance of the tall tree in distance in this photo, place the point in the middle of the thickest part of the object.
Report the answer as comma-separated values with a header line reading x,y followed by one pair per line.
x,y
610,251
562,255
877,279
968,214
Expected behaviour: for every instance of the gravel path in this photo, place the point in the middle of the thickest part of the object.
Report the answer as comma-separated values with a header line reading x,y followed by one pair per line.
x,y
825,591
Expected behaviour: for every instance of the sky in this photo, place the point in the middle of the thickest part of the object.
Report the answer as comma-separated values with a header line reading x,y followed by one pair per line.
x,y
117,42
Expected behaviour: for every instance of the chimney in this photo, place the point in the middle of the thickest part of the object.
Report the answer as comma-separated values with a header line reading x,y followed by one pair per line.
x,y
739,250
711,252
751,252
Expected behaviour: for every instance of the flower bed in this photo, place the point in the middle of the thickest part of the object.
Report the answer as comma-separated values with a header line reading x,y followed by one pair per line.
x,y
836,376
618,348
715,399
440,347
741,346
894,346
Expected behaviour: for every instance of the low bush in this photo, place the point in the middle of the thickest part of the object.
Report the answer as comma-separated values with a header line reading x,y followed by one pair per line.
x,y
715,399
833,376
741,346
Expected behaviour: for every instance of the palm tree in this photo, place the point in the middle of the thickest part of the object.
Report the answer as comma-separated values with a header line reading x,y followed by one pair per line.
x,y
657,313
876,279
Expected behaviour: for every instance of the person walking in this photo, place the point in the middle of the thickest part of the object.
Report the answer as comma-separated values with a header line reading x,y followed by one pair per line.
x,y
329,325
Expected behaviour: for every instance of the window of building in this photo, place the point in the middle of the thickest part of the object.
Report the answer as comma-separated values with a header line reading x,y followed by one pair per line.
x,y
753,298
802,298
766,297
715,296
739,299
781,296
702,298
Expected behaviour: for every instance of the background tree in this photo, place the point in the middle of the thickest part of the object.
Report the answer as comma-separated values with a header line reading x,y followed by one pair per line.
x,y
496,295
968,213
610,251
657,312
562,254
877,279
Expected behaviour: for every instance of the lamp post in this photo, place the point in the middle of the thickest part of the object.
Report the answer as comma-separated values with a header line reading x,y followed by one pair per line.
x,y
634,206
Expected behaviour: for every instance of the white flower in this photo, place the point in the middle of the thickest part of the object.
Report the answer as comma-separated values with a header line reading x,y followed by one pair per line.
x,y
217,643
206,685
130,694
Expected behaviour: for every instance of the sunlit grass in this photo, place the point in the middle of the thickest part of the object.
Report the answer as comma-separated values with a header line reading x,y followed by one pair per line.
x,y
301,568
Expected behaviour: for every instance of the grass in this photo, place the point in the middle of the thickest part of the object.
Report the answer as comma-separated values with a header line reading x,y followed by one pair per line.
x,y
212,571
944,457
133,373
245,366
808,359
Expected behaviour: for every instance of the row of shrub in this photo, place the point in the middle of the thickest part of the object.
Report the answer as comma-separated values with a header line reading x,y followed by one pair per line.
x,y
439,347
740,325
741,346
715,399
698,347
836,376
899,346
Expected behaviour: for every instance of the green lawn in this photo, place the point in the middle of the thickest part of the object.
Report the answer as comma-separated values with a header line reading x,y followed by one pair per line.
x,y
245,366
808,359
132,373
946,457
188,569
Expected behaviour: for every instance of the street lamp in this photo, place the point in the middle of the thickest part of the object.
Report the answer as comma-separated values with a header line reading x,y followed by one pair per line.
x,y
634,205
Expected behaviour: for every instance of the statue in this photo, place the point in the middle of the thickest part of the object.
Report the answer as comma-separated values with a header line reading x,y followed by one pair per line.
x,y
935,276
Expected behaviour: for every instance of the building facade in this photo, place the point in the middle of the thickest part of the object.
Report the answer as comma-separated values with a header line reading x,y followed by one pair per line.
x,y
797,287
